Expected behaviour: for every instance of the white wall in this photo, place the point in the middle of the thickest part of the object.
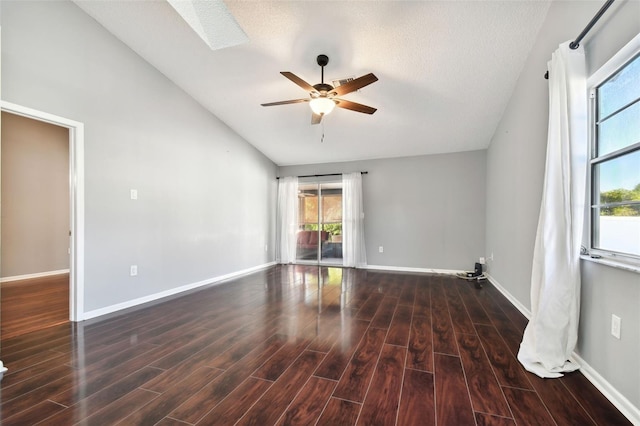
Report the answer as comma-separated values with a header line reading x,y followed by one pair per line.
x,y
515,167
205,196
427,211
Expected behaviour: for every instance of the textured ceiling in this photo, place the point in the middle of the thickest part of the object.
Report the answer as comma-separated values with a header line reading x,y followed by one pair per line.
x,y
446,70
212,21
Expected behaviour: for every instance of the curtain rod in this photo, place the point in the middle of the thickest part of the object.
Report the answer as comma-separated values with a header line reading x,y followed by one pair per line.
x,y
326,174
576,43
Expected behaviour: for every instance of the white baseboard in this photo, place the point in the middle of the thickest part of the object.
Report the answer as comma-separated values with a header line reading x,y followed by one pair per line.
x,y
30,276
515,302
408,269
625,406
631,412
153,297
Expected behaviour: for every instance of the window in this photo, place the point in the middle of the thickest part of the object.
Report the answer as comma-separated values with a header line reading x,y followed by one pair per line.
x,y
615,157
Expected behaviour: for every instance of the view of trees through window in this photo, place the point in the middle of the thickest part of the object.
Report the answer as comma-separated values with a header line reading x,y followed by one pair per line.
x,y
620,195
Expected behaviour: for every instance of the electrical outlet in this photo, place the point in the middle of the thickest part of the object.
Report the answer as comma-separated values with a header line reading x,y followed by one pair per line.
x,y
616,323
380,249
134,270
134,194
482,260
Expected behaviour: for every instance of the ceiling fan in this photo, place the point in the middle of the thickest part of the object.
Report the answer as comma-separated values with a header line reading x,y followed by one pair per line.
x,y
324,97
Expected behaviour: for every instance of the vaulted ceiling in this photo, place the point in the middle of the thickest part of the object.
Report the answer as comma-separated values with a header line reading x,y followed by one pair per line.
x,y
446,70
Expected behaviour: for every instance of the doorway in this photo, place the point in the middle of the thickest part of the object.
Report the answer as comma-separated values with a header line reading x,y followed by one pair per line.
x,y
35,225
75,201
319,223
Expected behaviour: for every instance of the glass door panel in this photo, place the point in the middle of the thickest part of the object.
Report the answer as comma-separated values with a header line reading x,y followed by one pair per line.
x,y
331,222
320,222
308,215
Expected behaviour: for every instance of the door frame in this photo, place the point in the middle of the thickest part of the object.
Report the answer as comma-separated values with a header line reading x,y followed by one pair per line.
x,y
76,200
320,261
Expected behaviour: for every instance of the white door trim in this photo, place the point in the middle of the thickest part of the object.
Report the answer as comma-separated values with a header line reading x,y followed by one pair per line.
x,y
76,187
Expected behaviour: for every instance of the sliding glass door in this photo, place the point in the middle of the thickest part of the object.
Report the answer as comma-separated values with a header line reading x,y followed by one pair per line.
x,y
331,221
319,238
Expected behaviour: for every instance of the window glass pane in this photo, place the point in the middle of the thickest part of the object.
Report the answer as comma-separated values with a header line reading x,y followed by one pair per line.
x,y
310,209
619,179
332,221
308,206
620,89
619,229
620,130
332,208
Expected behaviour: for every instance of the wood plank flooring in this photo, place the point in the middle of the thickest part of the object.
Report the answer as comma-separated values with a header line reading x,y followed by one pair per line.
x,y
33,304
296,345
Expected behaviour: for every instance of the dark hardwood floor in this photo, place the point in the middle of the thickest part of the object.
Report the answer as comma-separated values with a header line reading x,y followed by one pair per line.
x,y
33,304
296,345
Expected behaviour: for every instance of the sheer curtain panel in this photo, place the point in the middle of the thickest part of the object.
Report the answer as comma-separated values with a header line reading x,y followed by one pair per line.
x,y
551,335
287,220
353,250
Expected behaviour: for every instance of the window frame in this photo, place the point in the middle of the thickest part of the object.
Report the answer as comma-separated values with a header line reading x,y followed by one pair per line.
x,y
621,59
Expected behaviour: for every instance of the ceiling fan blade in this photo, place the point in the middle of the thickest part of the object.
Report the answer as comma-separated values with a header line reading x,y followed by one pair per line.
x,y
300,82
316,118
354,85
293,101
353,106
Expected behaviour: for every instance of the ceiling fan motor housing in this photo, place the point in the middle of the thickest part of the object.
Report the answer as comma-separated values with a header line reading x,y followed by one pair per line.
x,y
322,60
323,88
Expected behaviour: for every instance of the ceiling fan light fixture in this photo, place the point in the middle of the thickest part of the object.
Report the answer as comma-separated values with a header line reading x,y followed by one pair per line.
x,y
322,105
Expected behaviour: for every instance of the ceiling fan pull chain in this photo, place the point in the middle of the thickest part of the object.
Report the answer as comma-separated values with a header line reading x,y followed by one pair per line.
x,y
322,138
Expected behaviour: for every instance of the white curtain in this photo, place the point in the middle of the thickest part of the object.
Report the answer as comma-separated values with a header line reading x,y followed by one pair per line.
x,y
551,335
287,221
353,250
